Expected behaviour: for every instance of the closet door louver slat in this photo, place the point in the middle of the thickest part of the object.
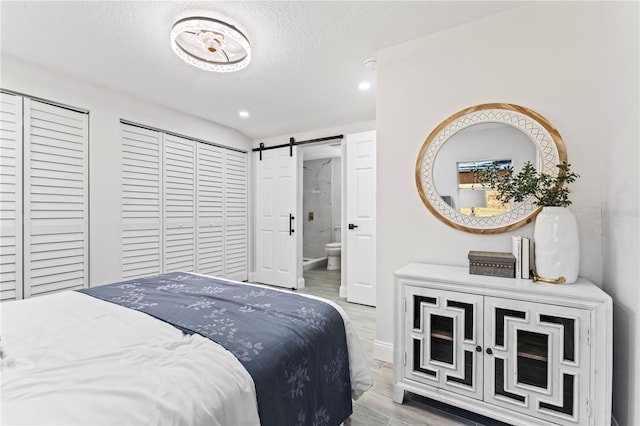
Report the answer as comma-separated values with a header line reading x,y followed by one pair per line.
x,y
10,197
210,199
236,216
141,202
55,198
179,204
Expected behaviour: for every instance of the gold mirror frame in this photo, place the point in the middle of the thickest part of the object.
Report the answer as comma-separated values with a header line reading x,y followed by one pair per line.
x,y
551,151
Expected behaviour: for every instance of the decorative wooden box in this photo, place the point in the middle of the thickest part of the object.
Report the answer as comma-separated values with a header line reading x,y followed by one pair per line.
x,y
495,264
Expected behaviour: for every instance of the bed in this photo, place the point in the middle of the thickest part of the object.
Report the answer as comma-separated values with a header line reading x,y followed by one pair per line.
x,y
179,348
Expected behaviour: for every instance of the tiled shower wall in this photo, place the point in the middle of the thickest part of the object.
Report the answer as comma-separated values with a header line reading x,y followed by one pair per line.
x,y
319,203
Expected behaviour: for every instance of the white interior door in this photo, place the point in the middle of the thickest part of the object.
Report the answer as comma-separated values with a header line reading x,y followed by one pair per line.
x,y
276,239
361,218
210,209
179,204
56,225
10,197
141,201
236,216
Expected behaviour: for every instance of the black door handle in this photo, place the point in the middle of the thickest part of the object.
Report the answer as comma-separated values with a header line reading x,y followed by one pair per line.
x,y
352,226
291,230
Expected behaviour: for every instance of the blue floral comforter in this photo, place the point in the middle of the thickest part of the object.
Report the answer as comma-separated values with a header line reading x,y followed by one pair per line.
x,y
293,347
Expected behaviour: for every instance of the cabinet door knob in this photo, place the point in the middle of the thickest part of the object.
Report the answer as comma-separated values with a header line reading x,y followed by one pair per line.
x,y
478,348
489,351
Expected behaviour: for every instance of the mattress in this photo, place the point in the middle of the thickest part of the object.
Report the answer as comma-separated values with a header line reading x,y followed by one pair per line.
x,y
69,358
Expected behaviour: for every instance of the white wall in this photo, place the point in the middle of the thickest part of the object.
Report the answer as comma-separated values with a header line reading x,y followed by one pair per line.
x,y
318,133
106,108
576,63
621,211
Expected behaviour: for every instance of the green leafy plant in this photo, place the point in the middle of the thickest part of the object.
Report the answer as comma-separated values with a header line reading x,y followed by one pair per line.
x,y
546,190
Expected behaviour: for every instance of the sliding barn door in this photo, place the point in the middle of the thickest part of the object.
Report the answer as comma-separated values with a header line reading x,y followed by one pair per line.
x,y
236,216
141,202
276,240
179,204
10,197
56,222
210,209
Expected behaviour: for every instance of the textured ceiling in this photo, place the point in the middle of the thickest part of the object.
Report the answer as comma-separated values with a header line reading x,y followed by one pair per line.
x,y
306,56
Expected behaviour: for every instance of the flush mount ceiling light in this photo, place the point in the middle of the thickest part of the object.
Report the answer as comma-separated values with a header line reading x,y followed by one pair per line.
x,y
210,44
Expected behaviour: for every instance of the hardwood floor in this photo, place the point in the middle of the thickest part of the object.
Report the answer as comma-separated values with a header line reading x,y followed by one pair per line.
x,y
376,406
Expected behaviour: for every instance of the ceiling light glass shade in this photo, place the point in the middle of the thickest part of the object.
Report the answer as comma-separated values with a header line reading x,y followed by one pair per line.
x,y
210,44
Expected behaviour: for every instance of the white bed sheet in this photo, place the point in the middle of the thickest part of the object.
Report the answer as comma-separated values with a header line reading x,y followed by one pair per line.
x,y
70,358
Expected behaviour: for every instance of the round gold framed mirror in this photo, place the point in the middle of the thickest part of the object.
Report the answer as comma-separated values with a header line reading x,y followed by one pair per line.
x,y
474,139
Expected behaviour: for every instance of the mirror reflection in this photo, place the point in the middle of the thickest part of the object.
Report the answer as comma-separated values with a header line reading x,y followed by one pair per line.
x,y
469,172
475,148
476,196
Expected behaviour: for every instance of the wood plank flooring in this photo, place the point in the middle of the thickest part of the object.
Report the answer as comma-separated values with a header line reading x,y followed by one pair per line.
x,y
376,407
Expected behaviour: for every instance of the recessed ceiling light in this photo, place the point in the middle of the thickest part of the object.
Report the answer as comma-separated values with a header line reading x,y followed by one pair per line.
x,y
243,114
210,44
365,85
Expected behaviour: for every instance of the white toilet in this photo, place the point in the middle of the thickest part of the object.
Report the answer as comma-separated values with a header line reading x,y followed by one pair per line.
x,y
334,250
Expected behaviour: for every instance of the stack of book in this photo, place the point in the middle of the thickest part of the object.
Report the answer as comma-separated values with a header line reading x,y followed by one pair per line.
x,y
522,249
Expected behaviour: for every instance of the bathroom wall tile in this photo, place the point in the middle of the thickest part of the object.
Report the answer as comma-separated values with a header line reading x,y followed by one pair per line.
x,y
317,198
336,182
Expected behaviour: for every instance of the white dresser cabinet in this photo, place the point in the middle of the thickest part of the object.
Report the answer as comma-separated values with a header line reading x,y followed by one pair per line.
x,y
510,349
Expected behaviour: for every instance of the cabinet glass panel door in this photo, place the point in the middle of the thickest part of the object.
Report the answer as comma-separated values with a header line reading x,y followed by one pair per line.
x,y
444,332
533,361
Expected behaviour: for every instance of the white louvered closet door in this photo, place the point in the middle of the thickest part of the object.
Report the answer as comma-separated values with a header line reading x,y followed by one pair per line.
x,y
210,208
55,198
141,201
236,215
179,204
10,197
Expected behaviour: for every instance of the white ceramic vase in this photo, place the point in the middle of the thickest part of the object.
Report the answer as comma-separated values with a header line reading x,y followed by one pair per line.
x,y
557,245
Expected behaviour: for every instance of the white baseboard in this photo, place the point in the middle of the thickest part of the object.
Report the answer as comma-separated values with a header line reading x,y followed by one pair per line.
x,y
343,292
383,351
300,283
252,276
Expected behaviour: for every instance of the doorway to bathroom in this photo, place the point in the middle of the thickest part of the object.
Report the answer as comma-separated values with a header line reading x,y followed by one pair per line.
x,y
280,216
321,208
